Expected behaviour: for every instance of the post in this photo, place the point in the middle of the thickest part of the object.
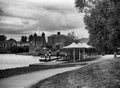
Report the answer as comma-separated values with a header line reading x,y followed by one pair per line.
x,y
84,54
115,54
74,55
79,54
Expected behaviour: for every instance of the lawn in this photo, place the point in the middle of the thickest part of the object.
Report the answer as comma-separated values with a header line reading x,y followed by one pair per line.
x,y
104,74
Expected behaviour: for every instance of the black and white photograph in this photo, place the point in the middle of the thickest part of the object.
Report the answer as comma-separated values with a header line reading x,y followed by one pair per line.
x,y
59,43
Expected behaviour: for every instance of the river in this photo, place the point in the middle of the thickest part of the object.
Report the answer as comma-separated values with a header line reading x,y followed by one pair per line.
x,y
13,60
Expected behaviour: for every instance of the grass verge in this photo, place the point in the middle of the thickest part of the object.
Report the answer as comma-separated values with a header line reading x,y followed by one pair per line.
x,y
104,74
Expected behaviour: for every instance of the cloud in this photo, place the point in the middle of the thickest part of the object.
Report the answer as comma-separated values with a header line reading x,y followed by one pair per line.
x,y
26,16
57,21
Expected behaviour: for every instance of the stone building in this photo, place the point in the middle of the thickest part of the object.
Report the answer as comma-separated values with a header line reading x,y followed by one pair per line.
x,y
56,40
37,43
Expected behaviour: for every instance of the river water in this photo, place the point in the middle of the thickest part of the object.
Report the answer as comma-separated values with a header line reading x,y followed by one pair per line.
x,y
13,60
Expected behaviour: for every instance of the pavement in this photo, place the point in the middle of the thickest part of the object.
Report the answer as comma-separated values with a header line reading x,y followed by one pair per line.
x,y
26,80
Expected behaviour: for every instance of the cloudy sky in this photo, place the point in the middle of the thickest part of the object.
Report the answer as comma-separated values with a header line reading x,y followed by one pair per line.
x,y
24,17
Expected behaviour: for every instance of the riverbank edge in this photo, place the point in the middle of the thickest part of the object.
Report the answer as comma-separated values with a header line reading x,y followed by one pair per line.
x,y
32,68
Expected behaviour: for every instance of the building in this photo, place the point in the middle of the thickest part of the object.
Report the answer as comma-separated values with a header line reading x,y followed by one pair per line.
x,y
37,43
56,41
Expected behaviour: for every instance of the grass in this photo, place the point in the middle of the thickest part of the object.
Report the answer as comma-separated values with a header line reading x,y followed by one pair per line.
x,y
104,74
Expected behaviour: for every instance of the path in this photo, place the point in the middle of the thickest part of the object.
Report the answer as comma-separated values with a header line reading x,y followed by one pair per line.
x,y
24,80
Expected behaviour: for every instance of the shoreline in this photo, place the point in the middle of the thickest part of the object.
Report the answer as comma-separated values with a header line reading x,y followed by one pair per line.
x,y
42,66
32,68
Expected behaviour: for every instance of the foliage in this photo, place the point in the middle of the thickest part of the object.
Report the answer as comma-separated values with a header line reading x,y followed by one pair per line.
x,y
30,38
2,37
16,49
23,38
71,38
102,20
87,5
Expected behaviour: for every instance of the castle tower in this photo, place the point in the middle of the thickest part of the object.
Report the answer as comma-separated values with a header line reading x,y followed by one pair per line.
x,y
43,39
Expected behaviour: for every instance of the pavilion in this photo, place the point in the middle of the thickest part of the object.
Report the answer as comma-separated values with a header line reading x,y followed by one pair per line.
x,y
79,46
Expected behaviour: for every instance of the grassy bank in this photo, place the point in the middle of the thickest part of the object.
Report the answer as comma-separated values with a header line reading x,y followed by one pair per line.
x,y
104,74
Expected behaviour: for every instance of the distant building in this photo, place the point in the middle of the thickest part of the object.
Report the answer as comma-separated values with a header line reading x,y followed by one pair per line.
x,y
56,41
37,43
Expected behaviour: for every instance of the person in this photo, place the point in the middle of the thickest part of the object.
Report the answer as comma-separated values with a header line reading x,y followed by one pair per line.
x,y
65,56
45,56
49,54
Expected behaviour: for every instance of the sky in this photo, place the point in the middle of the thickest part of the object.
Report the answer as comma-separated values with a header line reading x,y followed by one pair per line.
x,y
25,17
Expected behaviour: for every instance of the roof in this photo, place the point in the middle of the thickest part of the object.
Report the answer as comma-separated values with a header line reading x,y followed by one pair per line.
x,y
79,45
84,45
72,46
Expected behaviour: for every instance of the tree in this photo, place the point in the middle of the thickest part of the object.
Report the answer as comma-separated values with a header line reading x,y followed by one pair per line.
x,y
87,5
30,38
2,37
102,19
23,38
35,38
71,38
43,39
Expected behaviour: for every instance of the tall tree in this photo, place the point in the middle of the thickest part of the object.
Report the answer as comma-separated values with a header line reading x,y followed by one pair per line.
x,y
24,39
30,38
102,19
43,39
35,38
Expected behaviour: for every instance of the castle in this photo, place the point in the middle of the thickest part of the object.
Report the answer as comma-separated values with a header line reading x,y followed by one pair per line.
x,y
37,43
55,41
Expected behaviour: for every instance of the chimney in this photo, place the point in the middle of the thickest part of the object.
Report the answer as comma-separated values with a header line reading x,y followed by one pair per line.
x,y
58,33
